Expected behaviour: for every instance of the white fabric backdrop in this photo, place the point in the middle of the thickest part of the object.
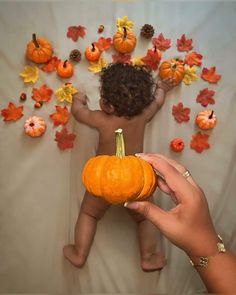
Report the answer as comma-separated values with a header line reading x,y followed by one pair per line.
x,y
40,186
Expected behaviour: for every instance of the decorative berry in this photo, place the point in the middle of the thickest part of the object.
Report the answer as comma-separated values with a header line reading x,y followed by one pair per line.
x,y
147,31
100,29
38,104
75,55
23,96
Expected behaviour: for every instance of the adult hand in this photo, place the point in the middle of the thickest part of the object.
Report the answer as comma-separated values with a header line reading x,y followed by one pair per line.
x,y
188,225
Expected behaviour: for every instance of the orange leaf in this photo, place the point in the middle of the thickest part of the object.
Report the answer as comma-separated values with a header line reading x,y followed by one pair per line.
x,y
184,44
199,142
12,112
61,116
210,75
51,65
64,139
193,58
103,43
125,58
205,97
161,43
74,32
180,113
42,94
152,59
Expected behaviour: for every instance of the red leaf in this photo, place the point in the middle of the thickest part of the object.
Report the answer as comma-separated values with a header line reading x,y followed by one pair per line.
x,y
51,65
12,112
61,116
199,142
184,44
210,75
152,59
125,58
180,113
42,94
64,139
74,32
193,58
103,43
205,97
161,43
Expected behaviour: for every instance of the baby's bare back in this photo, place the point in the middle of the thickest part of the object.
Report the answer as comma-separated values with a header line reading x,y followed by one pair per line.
x,y
133,131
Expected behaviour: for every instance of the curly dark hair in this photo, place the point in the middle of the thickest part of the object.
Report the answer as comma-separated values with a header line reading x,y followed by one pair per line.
x,y
128,88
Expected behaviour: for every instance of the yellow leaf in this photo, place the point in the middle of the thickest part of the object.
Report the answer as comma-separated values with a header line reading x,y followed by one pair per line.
x,y
97,66
136,61
189,75
124,22
30,74
65,92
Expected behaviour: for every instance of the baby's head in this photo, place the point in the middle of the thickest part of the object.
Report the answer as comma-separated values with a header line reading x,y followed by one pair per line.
x,y
126,89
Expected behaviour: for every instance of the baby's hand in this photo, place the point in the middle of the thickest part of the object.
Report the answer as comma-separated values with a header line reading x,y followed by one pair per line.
x,y
81,97
166,84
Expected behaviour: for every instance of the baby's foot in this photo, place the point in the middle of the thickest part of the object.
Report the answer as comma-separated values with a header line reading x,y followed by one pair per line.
x,y
72,254
153,262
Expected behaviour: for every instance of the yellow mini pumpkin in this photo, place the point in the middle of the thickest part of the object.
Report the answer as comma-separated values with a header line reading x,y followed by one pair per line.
x,y
119,178
124,41
35,126
39,50
206,119
172,68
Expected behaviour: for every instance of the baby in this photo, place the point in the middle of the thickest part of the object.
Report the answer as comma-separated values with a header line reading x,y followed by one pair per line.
x,y
129,100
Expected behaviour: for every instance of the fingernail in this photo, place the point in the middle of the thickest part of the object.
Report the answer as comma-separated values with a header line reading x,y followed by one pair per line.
x,y
131,205
139,154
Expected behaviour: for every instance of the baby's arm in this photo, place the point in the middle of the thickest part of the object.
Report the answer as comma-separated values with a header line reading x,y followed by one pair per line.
x,y
82,113
163,86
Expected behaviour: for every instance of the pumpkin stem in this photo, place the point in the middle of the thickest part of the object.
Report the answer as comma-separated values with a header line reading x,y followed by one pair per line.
x,y
211,115
93,47
155,48
64,64
125,32
173,65
35,40
120,146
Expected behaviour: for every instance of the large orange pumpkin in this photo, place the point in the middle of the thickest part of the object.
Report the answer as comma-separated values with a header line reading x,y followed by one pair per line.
x,y
124,41
206,119
119,178
172,68
39,50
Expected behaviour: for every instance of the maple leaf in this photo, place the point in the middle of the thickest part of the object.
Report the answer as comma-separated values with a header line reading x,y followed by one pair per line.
x,y
199,142
205,97
137,61
103,43
210,75
193,58
74,32
97,66
12,112
152,59
64,139
61,116
184,44
180,113
30,74
124,22
65,92
189,75
51,65
161,43
42,94
125,58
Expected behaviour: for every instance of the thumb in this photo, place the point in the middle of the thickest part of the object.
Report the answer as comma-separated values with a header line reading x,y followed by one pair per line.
x,y
149,210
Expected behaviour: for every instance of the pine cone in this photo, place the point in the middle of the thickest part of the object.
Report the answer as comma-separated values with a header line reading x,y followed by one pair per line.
x,y
75,55
147,31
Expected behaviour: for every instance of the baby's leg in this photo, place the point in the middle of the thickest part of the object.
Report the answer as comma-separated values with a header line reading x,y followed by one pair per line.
x,y
152,256
91,211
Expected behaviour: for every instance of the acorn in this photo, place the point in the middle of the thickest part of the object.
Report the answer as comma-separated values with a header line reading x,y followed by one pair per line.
x,y
100,29
23,96
147,31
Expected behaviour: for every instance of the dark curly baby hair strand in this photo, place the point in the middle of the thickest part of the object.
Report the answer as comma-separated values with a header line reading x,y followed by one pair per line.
x,y
128,88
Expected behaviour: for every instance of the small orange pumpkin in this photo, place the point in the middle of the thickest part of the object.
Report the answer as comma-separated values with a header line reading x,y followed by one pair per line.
x,y
177,144
172,68
35,126
206,119
39,50
124,41
65,69
92,53
119,178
